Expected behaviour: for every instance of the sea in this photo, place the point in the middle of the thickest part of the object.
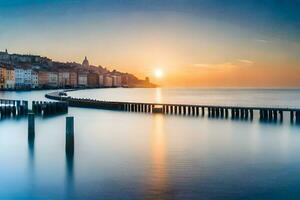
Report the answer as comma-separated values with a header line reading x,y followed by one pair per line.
x,y
127,155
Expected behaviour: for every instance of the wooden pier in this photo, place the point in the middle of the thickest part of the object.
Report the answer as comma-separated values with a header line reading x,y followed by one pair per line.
x,y
13,108
49,108
18,108
265,114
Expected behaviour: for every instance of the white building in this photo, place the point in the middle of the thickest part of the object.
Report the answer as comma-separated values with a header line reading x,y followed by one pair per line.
x,y
34,79
23,78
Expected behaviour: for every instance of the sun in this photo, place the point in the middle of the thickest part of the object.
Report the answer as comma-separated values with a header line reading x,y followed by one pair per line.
x,y
158,73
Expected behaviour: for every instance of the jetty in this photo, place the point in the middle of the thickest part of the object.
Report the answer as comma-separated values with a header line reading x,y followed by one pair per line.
x,y
19,108
266,114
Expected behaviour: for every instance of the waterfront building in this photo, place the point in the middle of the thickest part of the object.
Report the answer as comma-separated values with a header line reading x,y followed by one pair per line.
x,y
43,78
101,80
10,78
93,79
82,79
34,79
48,79
23,77
67,78
117,81
124,80
2,77
85,62
52,79
108,81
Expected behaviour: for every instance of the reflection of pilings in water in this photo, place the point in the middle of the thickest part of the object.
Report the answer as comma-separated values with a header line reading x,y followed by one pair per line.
x,y
31,126
31,134
69,153
70,167
31,138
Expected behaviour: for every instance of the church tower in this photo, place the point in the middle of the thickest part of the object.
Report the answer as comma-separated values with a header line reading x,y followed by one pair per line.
x,y
85,62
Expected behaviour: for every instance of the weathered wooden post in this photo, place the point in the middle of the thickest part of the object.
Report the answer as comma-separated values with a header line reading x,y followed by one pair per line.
x,y
297,116
197,110
251,114
217,112
270,115
281,115
69,135
242,113
31,124
237,113
180,110
246,113
232,113
226,113
275,115
292,117
222,112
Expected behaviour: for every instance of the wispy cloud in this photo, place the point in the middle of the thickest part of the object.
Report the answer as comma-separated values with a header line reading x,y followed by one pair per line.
x,y
245,61
262,40
218,66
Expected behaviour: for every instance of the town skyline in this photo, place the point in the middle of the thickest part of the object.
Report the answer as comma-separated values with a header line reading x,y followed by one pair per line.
x,y
28,71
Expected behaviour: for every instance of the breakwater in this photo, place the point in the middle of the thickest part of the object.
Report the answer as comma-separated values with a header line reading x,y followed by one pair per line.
x,y
268,114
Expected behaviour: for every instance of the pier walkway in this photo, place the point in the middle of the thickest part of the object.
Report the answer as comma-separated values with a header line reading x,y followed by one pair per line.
x,y
233,112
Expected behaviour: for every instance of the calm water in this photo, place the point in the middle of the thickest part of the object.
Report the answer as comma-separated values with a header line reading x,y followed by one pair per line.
x,y
130,156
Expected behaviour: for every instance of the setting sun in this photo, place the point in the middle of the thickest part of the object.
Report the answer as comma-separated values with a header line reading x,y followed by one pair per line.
x,y
158,73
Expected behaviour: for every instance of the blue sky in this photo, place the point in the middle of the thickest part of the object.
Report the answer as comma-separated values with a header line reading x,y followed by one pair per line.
x,y
139,35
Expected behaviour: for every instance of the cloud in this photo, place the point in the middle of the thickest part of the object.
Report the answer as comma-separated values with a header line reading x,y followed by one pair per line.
x,y
218,66
262,40
248,62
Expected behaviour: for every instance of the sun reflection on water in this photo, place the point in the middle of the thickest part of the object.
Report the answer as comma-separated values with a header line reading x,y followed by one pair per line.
x,y
158,175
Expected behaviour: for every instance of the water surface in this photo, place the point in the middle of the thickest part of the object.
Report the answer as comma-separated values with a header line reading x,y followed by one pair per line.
x,y
121,155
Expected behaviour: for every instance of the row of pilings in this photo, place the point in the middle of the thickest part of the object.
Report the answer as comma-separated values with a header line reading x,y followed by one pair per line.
x,y
235,113
271,115
13,108
69,145
49,108
265,114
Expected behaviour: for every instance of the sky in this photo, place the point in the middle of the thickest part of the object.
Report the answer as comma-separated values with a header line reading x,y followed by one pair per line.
x,y
196,43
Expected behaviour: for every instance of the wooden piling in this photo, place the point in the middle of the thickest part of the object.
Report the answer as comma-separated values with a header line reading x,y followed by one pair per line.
x,y
226,113
281,115
292,116
69,134
251,114
31,125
